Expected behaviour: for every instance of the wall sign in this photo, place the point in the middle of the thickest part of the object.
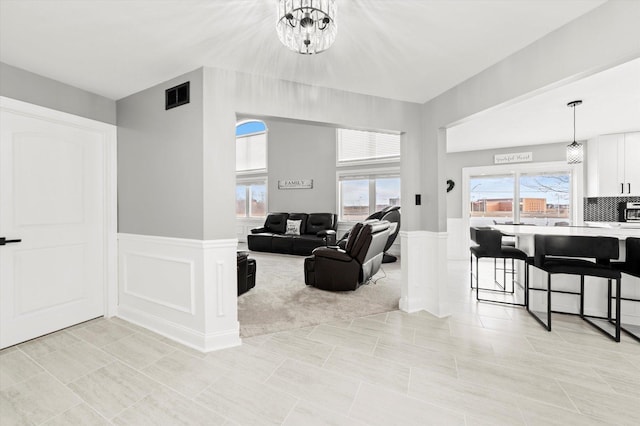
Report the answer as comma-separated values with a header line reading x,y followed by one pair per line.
x,y
517,157
295,184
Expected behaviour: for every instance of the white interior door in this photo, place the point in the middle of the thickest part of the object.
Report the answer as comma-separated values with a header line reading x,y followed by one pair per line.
x,y
52,197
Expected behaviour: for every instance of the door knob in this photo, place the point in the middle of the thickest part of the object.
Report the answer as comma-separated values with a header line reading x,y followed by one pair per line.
x,y
4,241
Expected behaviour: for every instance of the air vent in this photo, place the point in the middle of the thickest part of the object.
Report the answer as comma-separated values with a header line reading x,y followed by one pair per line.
x,y
176,96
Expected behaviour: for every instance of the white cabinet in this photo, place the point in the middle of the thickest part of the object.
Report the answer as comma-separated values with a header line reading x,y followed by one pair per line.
x,y
613,165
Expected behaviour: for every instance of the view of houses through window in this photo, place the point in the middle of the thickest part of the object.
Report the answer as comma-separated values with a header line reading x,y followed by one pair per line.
x,y
543,199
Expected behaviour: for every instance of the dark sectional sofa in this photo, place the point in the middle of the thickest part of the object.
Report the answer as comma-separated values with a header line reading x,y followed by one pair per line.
x,y
315,230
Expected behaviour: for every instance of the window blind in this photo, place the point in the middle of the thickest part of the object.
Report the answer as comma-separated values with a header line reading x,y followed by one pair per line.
x,y
358,145
251,152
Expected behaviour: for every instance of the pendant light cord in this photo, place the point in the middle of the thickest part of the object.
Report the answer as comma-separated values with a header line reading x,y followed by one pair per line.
x,y
574,123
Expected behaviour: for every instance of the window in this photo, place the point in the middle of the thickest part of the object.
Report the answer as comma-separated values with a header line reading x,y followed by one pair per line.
x,y
362,195
251,199
544,197
251,146
251,164
361,146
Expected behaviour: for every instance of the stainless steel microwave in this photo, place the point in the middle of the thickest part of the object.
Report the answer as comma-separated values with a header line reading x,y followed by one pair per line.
x,y
632,212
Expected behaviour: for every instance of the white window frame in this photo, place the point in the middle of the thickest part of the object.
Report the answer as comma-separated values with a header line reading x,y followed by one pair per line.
x,y
577,186
247,208
366,161
368,173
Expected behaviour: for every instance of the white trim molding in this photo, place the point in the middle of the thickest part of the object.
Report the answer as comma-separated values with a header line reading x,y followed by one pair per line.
x,y
183,289
424,272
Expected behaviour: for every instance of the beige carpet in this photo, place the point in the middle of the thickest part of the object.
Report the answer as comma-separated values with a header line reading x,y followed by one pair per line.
x,y
281,300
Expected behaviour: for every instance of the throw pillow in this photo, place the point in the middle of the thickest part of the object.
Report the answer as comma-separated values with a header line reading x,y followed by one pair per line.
x,y
293,227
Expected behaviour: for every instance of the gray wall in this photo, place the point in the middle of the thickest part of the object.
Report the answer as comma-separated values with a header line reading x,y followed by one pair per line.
x,y
160,154
301,151
456,161
26,86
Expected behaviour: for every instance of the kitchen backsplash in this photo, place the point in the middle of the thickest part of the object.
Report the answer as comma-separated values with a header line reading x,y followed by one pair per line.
x,y
605,209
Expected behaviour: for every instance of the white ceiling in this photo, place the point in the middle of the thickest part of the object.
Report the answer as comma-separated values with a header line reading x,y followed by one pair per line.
x,y
611,104
402,49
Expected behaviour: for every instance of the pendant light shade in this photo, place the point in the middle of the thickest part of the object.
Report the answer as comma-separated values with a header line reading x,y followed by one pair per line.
x,y
575,150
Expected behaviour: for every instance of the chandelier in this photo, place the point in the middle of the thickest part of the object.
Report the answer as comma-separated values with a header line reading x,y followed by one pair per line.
x,y
307,26
575,150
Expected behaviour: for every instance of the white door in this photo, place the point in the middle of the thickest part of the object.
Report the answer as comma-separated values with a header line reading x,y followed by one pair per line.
x,y
52,197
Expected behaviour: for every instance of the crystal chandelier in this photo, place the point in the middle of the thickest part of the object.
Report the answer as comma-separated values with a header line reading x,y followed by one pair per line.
x,y
307,26
575,150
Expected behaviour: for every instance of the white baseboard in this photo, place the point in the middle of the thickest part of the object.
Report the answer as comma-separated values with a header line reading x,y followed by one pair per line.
x,y
183,289
179,333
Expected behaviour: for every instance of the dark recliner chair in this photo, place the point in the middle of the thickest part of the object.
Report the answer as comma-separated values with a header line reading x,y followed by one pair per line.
x,y
392,215
335,269
246,272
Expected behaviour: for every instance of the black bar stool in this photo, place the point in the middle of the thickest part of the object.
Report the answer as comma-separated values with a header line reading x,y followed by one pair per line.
x,y
489,245
630,266
560,254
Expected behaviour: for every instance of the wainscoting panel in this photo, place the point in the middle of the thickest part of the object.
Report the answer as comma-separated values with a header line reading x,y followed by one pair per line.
x,y
424,272
165,281
458,241
183,289
244,227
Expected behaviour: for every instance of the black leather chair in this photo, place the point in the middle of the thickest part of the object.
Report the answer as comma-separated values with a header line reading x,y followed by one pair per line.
x,y
335,269
246,272
630,266
392,215
489,245
560,254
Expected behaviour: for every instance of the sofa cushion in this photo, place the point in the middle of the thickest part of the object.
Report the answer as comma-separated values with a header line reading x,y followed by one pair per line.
x,y
276,223
259,242
282,244
319,222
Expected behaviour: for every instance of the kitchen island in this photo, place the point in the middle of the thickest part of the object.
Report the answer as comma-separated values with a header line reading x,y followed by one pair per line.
x,y
569,303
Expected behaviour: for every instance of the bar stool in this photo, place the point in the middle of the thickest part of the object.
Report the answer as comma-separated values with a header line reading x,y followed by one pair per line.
x,y
489,245
561,254
630,266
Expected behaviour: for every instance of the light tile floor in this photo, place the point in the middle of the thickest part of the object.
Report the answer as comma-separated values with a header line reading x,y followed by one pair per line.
x,y
484,365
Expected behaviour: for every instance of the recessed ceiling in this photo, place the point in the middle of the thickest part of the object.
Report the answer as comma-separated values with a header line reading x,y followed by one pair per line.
x,y
610,104
400,49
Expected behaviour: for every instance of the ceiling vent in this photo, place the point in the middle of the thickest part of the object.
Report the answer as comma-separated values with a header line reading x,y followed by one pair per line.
x,y
176,96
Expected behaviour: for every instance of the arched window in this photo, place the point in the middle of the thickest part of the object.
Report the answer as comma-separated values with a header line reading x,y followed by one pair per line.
x,y
251,146
251,168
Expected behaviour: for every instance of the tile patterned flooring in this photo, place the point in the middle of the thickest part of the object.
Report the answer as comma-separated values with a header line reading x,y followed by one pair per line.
x,y
484,365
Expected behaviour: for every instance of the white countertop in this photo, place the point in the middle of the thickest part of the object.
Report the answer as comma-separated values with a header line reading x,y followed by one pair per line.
x,y
627,225
518,230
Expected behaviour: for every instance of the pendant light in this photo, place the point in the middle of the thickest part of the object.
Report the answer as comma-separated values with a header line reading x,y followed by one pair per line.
x,y
575,150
